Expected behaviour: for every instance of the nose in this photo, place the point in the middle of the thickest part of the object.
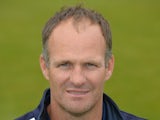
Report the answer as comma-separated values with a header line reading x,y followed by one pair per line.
x,y
77,77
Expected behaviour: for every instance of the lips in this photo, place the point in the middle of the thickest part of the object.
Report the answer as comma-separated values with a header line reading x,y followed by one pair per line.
x,y
77,92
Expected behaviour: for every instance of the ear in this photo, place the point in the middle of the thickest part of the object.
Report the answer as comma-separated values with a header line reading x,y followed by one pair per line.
x,y
44,68
109,69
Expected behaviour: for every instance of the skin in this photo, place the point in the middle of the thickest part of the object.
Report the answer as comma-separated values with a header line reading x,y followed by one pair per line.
x,y
77,71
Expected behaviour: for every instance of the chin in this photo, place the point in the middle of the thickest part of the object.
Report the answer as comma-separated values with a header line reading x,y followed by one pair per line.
x,y
78,109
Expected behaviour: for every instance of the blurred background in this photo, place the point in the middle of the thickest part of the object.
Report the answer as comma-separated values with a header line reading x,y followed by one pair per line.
x,y
136,42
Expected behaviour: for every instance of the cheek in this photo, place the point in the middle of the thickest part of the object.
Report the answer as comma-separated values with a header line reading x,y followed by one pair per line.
x,y
57,79
97,78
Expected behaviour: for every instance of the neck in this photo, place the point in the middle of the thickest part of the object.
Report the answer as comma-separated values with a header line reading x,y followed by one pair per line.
x,y
57,113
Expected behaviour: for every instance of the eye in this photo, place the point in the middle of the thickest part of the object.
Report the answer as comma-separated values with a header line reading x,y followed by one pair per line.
x,y
64,65
91,65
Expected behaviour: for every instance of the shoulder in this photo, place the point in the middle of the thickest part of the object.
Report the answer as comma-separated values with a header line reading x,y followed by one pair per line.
x,y
27,116
124,115
128,116
39,110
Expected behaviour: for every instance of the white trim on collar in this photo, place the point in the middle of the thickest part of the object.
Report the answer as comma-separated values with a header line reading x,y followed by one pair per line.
x,y
32,119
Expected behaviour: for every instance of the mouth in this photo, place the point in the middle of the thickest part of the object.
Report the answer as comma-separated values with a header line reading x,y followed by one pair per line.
x,y
77,92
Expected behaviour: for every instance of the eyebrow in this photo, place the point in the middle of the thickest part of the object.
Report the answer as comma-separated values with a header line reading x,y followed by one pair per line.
x,y
63,60
58,61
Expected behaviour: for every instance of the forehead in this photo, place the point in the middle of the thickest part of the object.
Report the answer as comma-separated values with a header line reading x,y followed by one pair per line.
x,y
80,26
76,39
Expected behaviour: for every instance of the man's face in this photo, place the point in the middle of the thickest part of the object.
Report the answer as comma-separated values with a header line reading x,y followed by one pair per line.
x,y
77,69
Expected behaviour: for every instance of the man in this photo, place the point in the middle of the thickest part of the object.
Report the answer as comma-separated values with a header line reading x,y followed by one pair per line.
x,y
77,60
